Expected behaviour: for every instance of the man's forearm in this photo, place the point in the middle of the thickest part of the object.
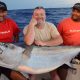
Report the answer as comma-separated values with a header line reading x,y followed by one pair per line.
x,y
54,42
16,38
29,36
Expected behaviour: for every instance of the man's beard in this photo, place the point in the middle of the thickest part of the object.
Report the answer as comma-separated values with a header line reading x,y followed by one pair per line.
x,y
77,19
2,19
40,23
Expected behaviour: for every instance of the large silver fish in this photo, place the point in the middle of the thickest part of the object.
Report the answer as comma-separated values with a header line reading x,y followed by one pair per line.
x,y
34,59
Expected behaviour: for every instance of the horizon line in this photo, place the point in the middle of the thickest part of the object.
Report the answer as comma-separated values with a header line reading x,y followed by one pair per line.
x,y
44,7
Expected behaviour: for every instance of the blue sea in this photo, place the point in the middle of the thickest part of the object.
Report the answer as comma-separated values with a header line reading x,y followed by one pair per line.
x,y
23,16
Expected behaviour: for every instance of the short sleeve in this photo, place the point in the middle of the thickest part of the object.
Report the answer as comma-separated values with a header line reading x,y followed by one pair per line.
x,y
53,30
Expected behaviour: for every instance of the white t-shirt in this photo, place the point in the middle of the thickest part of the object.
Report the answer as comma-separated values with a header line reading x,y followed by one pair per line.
x,y
49,31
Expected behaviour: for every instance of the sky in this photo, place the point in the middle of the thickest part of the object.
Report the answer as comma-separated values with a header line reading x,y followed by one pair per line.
x,y
30,4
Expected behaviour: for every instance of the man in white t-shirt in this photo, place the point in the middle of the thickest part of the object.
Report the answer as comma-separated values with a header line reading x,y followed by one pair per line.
x,y
42,33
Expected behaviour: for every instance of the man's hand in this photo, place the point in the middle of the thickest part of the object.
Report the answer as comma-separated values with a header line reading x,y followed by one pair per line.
x,y
40,43
33,22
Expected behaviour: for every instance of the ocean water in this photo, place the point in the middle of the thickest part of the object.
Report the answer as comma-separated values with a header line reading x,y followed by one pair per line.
x,y
23,16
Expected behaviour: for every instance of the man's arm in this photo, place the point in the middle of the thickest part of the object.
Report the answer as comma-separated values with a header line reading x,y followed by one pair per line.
x,y
56,37
16,31
16,38
30,34
53,42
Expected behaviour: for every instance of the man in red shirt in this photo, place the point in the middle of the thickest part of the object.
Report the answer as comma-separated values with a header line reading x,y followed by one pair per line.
x,y
9,32
69,29
8,28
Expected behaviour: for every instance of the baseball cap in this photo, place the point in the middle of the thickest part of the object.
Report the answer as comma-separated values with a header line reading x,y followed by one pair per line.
x,y
3,6
76,6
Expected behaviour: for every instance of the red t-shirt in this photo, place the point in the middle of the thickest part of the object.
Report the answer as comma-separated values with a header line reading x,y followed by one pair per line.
x,y
8,29
70,32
